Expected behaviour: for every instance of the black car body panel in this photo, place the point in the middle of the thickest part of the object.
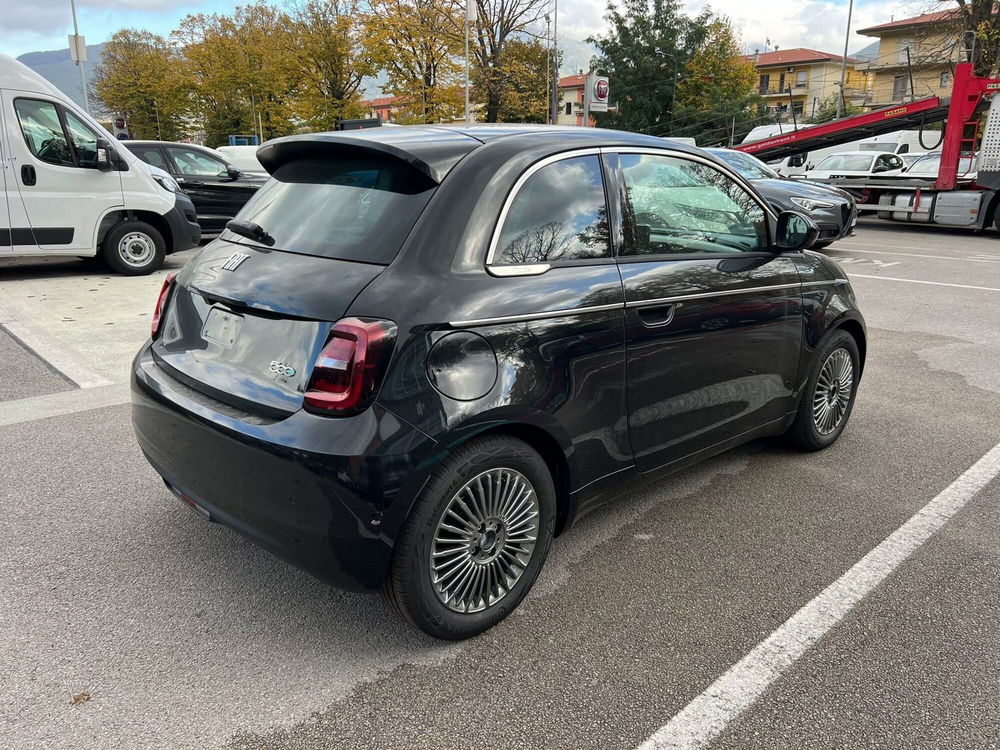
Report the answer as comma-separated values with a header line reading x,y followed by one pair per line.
x,y
218,195
835,220
614,369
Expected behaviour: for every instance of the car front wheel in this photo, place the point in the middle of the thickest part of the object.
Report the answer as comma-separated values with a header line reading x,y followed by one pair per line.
x,y
133,248
476,539
829,394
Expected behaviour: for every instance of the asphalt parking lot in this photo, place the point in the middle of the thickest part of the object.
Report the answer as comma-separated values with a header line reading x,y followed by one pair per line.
x,y
685,614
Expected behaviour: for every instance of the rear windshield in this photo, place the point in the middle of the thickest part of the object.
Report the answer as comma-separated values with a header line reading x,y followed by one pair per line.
x,y
347,207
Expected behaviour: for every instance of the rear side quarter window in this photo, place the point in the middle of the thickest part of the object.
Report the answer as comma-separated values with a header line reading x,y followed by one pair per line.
x,y
558,214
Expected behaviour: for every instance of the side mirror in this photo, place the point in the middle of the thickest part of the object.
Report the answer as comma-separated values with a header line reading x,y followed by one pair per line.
x,y
233,172
795,231
103,156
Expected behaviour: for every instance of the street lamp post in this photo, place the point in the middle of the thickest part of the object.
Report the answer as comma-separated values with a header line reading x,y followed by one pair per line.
x,y
555,62
79,56
843,63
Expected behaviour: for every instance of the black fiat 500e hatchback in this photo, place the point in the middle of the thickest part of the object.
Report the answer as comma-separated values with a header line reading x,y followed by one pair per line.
x,y
418,354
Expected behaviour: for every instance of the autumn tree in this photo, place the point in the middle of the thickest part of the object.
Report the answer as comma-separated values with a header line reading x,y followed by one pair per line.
x,y
525,72
415,43
715,95
333,61
647,45
501,24
143,78
244,70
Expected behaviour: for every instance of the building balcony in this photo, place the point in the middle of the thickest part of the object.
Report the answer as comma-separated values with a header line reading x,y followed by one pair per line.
x,y
798,89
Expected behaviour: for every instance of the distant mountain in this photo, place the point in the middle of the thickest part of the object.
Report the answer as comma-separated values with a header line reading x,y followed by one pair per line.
x,y
56,67
867,53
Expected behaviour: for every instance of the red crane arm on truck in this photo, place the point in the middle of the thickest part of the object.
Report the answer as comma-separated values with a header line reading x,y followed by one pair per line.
x,y
958,111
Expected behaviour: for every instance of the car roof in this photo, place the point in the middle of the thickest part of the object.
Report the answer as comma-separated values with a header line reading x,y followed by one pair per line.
x,y
435,149
861,153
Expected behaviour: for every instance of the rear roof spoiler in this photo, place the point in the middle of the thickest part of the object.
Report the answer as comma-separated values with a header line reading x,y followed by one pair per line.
x,y
431,151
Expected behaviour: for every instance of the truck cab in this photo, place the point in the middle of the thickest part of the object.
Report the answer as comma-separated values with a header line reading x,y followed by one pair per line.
x,y
67,188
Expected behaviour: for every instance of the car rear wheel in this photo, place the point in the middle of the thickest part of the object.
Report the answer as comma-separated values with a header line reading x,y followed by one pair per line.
x,y
475,541
829,394
134,248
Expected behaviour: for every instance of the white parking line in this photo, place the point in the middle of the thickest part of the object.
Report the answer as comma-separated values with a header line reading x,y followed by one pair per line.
x,y
46,348
932,283
65,402
852,249
708,715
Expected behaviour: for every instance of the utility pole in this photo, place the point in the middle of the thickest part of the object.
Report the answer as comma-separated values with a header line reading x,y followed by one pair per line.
x,y
843,63
548,53
471,14
555,62
78,53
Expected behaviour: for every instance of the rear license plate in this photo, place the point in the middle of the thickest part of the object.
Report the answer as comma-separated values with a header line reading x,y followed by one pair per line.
x,y
222,327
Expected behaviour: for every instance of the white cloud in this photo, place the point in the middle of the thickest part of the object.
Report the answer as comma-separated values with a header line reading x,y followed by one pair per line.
x,y
817,24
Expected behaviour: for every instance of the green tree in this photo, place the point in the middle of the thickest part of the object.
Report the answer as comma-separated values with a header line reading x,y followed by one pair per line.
x,y
648,44
501,24
333,60
415,43
142,78
244,69
716,100
525,75
827,110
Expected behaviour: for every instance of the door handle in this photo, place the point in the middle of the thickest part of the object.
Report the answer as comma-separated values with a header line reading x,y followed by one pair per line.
x,y
28,175
656,315
191,183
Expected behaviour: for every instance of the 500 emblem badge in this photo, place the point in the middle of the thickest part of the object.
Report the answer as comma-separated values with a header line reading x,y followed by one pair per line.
x,y
280,368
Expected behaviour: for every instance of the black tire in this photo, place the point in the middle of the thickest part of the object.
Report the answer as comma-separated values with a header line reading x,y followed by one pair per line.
x,y
133,248
821,245
804,432
408,587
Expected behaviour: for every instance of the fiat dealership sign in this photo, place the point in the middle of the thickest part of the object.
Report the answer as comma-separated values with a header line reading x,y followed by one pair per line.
x,y
597,92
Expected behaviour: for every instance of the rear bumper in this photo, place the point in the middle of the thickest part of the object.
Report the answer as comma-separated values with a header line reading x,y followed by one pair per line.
x,y
326,494
183,221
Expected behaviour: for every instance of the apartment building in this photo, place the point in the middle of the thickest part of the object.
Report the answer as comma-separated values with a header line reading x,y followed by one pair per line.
x,y
923,48
795,82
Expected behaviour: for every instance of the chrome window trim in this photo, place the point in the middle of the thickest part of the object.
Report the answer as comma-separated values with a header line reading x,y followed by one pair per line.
x,y
535,269
561,313
529,269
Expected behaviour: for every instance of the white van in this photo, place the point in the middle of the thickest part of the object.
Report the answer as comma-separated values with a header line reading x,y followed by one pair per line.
x,y
67,189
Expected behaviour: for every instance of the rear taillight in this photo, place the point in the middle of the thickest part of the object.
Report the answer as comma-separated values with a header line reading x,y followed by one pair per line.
x,y
161,304
349,370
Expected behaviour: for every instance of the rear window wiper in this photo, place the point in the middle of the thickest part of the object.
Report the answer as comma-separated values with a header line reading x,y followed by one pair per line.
x,y
250,230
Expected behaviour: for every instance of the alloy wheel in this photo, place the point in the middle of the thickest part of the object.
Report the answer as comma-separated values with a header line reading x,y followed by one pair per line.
x,y
484,540
833,391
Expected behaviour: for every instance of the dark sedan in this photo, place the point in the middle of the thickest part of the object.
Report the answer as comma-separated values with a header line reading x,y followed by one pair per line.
x,y
831,208
217,188
418,354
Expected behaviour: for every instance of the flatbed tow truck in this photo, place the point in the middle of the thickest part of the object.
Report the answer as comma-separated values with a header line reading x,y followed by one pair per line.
x,y
952,198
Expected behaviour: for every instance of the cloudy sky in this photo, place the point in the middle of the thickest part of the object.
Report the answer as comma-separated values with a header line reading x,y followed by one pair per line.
x,y
29,25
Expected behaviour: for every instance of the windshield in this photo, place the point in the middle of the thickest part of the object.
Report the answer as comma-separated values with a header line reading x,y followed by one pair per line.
x,y
929,165
852,162
749,166
353,208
